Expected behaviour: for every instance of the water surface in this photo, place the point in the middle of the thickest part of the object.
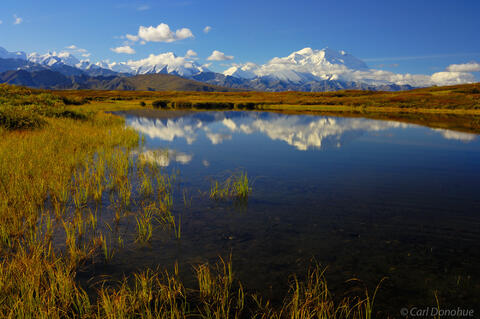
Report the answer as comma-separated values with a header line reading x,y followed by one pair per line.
x,y
365,198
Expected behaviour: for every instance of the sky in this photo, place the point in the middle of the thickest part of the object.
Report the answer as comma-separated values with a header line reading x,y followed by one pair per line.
x,y
420,37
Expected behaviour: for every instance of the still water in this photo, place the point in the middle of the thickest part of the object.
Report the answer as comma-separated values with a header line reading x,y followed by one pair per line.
x,y
364,198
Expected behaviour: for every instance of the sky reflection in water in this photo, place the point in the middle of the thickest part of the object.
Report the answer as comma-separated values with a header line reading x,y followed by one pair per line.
x,y
300,132
367,198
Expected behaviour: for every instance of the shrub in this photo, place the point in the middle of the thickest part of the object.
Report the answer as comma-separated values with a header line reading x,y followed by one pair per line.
x,y
182,105
13,118
54,111
160,104
245,106
214,105
74,100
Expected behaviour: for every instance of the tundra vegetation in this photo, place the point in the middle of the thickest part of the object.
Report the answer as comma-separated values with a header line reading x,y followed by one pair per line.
x,y
68,179
450,107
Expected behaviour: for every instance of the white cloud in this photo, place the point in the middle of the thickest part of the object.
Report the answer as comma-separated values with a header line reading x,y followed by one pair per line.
x,y
132,37
124,49
76,49
190,54
1,21
219,56
86,55
183,33
143,8
466,67
207,29
452,78
17,20
163,33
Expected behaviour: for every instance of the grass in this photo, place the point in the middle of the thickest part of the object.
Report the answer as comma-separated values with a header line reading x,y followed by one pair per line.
x,y
458,97
68,182
144,227
236,186
219,295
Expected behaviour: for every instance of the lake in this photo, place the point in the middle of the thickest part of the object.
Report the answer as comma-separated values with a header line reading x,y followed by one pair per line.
x,y
364,198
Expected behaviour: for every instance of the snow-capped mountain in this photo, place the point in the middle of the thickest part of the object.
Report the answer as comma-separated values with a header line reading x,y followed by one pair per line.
x,y
302,66
52,58
303,70
4,54
326,69
68,64
167,63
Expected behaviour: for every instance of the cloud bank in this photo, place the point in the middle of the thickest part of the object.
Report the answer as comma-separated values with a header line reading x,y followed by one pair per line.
x,y
466,67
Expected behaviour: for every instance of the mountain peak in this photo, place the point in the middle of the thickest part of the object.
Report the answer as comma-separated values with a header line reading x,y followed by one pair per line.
x,y
303,65
167,62
305,51
53,58
4,54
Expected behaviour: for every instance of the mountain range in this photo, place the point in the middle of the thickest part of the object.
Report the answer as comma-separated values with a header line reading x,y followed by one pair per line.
x,y
304,70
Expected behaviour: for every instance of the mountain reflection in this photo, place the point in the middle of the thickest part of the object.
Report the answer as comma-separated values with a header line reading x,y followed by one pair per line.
x,y
300,131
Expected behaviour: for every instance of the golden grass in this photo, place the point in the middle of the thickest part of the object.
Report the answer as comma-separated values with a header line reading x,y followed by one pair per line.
x,y
456,97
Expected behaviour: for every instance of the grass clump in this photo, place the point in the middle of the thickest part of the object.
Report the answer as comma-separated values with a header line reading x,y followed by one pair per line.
x,y
236,186
144,227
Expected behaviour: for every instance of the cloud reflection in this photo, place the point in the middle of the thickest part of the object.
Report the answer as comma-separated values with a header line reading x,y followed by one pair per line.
x,y
300,131
164,157
167,131
459,136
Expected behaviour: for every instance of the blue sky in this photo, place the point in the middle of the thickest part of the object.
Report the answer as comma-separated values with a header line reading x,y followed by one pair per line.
x,y
401,36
